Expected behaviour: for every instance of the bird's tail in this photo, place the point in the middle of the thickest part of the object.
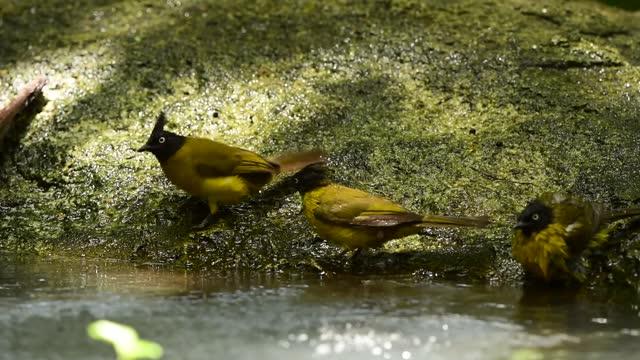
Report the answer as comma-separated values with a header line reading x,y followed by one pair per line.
x,y
441,220
618,214
294,161
601,236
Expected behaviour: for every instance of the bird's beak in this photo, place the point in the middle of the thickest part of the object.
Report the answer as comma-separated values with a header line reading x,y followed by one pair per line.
x,y
146,147
519,225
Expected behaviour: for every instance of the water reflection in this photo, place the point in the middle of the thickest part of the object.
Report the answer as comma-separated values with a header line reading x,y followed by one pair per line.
x,y
198,315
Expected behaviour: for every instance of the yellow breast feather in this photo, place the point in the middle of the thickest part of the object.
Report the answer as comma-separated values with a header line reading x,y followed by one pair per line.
x,y
545,252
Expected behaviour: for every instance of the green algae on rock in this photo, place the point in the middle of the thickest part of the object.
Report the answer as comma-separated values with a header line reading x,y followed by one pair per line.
x,y
458,107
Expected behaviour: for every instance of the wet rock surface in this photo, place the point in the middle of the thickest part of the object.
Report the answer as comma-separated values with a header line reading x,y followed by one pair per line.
x,y
450,107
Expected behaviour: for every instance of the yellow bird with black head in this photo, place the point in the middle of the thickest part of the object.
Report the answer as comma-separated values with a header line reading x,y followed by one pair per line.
x,y
553,232
216,172
356,220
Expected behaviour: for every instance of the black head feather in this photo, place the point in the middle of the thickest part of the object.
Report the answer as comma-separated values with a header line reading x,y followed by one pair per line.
x,y
311,177
535,217
163,144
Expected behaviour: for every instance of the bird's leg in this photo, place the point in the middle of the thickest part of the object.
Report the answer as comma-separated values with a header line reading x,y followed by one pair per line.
x,y
428,232
354,254
205,223
577,269
313,263
315,240
213,209
344,252
190,201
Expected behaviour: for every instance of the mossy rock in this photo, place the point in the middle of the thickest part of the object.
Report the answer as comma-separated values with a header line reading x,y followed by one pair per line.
x,y
452,107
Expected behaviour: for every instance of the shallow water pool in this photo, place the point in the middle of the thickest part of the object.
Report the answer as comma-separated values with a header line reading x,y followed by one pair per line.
x,y
46,305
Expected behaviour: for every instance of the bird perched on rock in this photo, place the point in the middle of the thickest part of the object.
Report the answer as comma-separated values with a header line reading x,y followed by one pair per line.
x,y
357,220
216,172
554,230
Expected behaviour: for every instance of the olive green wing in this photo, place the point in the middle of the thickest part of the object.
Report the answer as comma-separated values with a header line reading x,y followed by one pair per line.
x,y
214,159
342,205
248,162
581,219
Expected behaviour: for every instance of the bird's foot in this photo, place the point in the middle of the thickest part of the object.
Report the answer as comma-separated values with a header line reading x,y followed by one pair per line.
x,y
314,264
315,240
429,232
578,270
190,202
205,223
351,256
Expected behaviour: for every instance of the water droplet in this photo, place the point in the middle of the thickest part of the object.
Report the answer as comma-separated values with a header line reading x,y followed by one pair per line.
x,y
323,349
600,320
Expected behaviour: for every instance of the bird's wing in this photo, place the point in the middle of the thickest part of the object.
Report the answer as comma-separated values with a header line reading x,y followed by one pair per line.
x,y
568,211
213,159
348,206
581,220
248,162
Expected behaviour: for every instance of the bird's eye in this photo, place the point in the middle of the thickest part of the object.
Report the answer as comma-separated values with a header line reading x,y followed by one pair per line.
x,y
161,140
535,217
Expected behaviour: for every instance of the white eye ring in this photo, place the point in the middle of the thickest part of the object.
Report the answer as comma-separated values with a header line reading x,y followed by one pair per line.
x,y
535,217
161,140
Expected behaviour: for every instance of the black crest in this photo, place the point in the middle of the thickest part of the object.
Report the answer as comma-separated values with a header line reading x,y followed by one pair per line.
x,y
163,144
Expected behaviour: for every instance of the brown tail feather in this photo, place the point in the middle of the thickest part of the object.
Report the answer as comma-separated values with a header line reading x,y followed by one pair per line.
x,y
441,220
618,214
294,161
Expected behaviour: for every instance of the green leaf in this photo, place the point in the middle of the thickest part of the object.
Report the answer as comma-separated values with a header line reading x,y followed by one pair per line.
x,y
125,340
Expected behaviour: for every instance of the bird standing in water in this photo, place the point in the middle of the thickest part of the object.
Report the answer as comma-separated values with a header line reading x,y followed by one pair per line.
x,y
554,230
357,220
219,173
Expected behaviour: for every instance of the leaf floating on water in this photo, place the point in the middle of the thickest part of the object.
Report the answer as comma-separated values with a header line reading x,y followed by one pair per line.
x,y
125,340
